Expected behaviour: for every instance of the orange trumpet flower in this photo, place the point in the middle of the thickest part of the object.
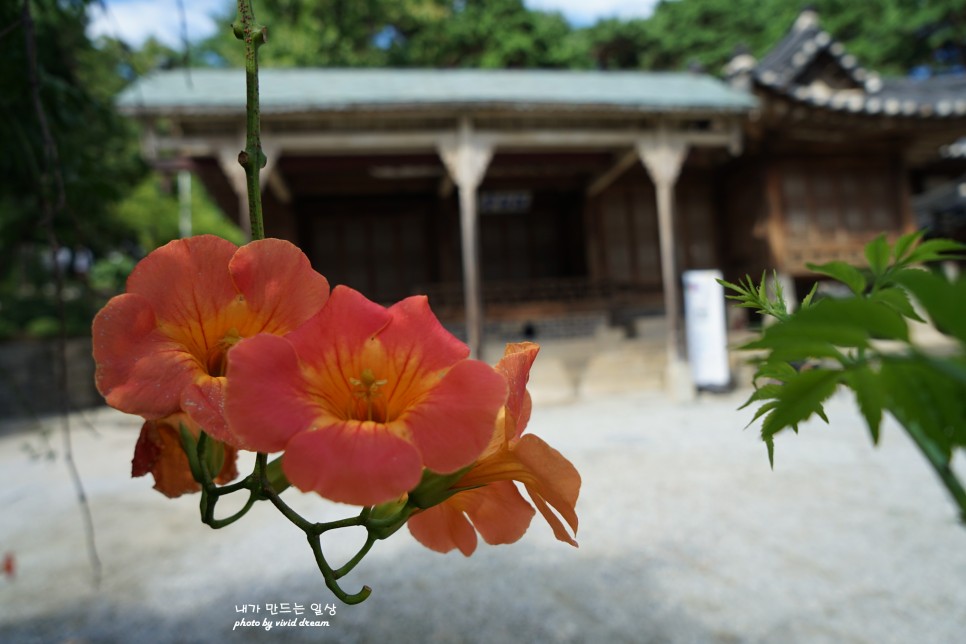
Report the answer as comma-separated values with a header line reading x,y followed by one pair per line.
x,y
361,398
492,505
161,347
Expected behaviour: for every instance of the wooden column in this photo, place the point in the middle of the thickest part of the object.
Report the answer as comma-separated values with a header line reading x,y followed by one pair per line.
x,y
662,156
466,157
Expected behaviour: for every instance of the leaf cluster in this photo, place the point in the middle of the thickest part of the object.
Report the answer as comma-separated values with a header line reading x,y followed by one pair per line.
x,y
863,342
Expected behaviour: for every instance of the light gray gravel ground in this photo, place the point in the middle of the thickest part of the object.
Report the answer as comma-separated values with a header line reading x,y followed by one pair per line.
x,y
686,536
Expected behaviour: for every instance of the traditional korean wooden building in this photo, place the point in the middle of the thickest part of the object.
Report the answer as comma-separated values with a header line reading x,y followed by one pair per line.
x,y
517,194
832,155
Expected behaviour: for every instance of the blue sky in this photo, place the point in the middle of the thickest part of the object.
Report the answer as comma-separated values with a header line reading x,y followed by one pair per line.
x,y
135,20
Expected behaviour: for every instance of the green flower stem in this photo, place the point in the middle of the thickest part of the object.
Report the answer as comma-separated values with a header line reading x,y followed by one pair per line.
x,y
252,158
359,556
330,576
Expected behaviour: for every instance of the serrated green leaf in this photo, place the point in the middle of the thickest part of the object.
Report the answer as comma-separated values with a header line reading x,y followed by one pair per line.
x,y
801,397
869,396
762,393
791,348
877,254
761,411
775,369
916,393
944,301
856,314
904,243
770,446
898,300
820,412
807,302
845,273
936,249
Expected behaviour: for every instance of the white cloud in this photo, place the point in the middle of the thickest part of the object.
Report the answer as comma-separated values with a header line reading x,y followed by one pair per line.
x,y
585,12
135,20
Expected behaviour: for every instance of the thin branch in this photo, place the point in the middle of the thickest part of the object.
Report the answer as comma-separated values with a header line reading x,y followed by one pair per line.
x,y
13,25
52,174
184,41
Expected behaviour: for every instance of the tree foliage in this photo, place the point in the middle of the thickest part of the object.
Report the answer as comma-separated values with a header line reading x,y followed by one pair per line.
x,y
96,151
892,36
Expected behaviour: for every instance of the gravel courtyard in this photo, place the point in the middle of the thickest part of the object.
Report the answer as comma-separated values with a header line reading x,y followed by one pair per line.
x,y
686,535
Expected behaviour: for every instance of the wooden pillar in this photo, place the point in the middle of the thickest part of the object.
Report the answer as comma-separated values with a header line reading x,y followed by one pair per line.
x,y
466,158
662,156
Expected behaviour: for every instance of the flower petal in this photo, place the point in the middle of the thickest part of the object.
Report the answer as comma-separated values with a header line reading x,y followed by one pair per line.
x,y
501,515
443,528
362,463
515,366
204,402
139,369
280,287
454,422
188,285
555,481
416,333
147,450
170,469
340,329
267,400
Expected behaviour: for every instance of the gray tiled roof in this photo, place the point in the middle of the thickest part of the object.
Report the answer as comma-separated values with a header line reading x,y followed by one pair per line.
x,y
781,69
300,90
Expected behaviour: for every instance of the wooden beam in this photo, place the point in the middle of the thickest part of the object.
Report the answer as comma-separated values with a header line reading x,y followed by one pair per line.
x,y
611,174
364,142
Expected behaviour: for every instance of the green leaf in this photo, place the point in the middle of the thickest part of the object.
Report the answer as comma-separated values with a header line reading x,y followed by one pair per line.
x,y
937,249
763,393
898,300
917,393
904,243
842,323
845,273
944,301
807,302
869,396
761,411
801,397
791,348
775,369
877,254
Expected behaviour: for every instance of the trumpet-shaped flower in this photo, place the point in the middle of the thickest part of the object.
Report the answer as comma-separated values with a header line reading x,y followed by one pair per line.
x,y
361,398
159,451
489,502
161,347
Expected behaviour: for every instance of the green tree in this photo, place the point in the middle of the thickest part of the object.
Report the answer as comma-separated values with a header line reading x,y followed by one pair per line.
x,y
96,151
494,34
152,210
408,33
891,36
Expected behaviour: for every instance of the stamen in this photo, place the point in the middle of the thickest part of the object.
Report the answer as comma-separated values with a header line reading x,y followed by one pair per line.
x,y
367,388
